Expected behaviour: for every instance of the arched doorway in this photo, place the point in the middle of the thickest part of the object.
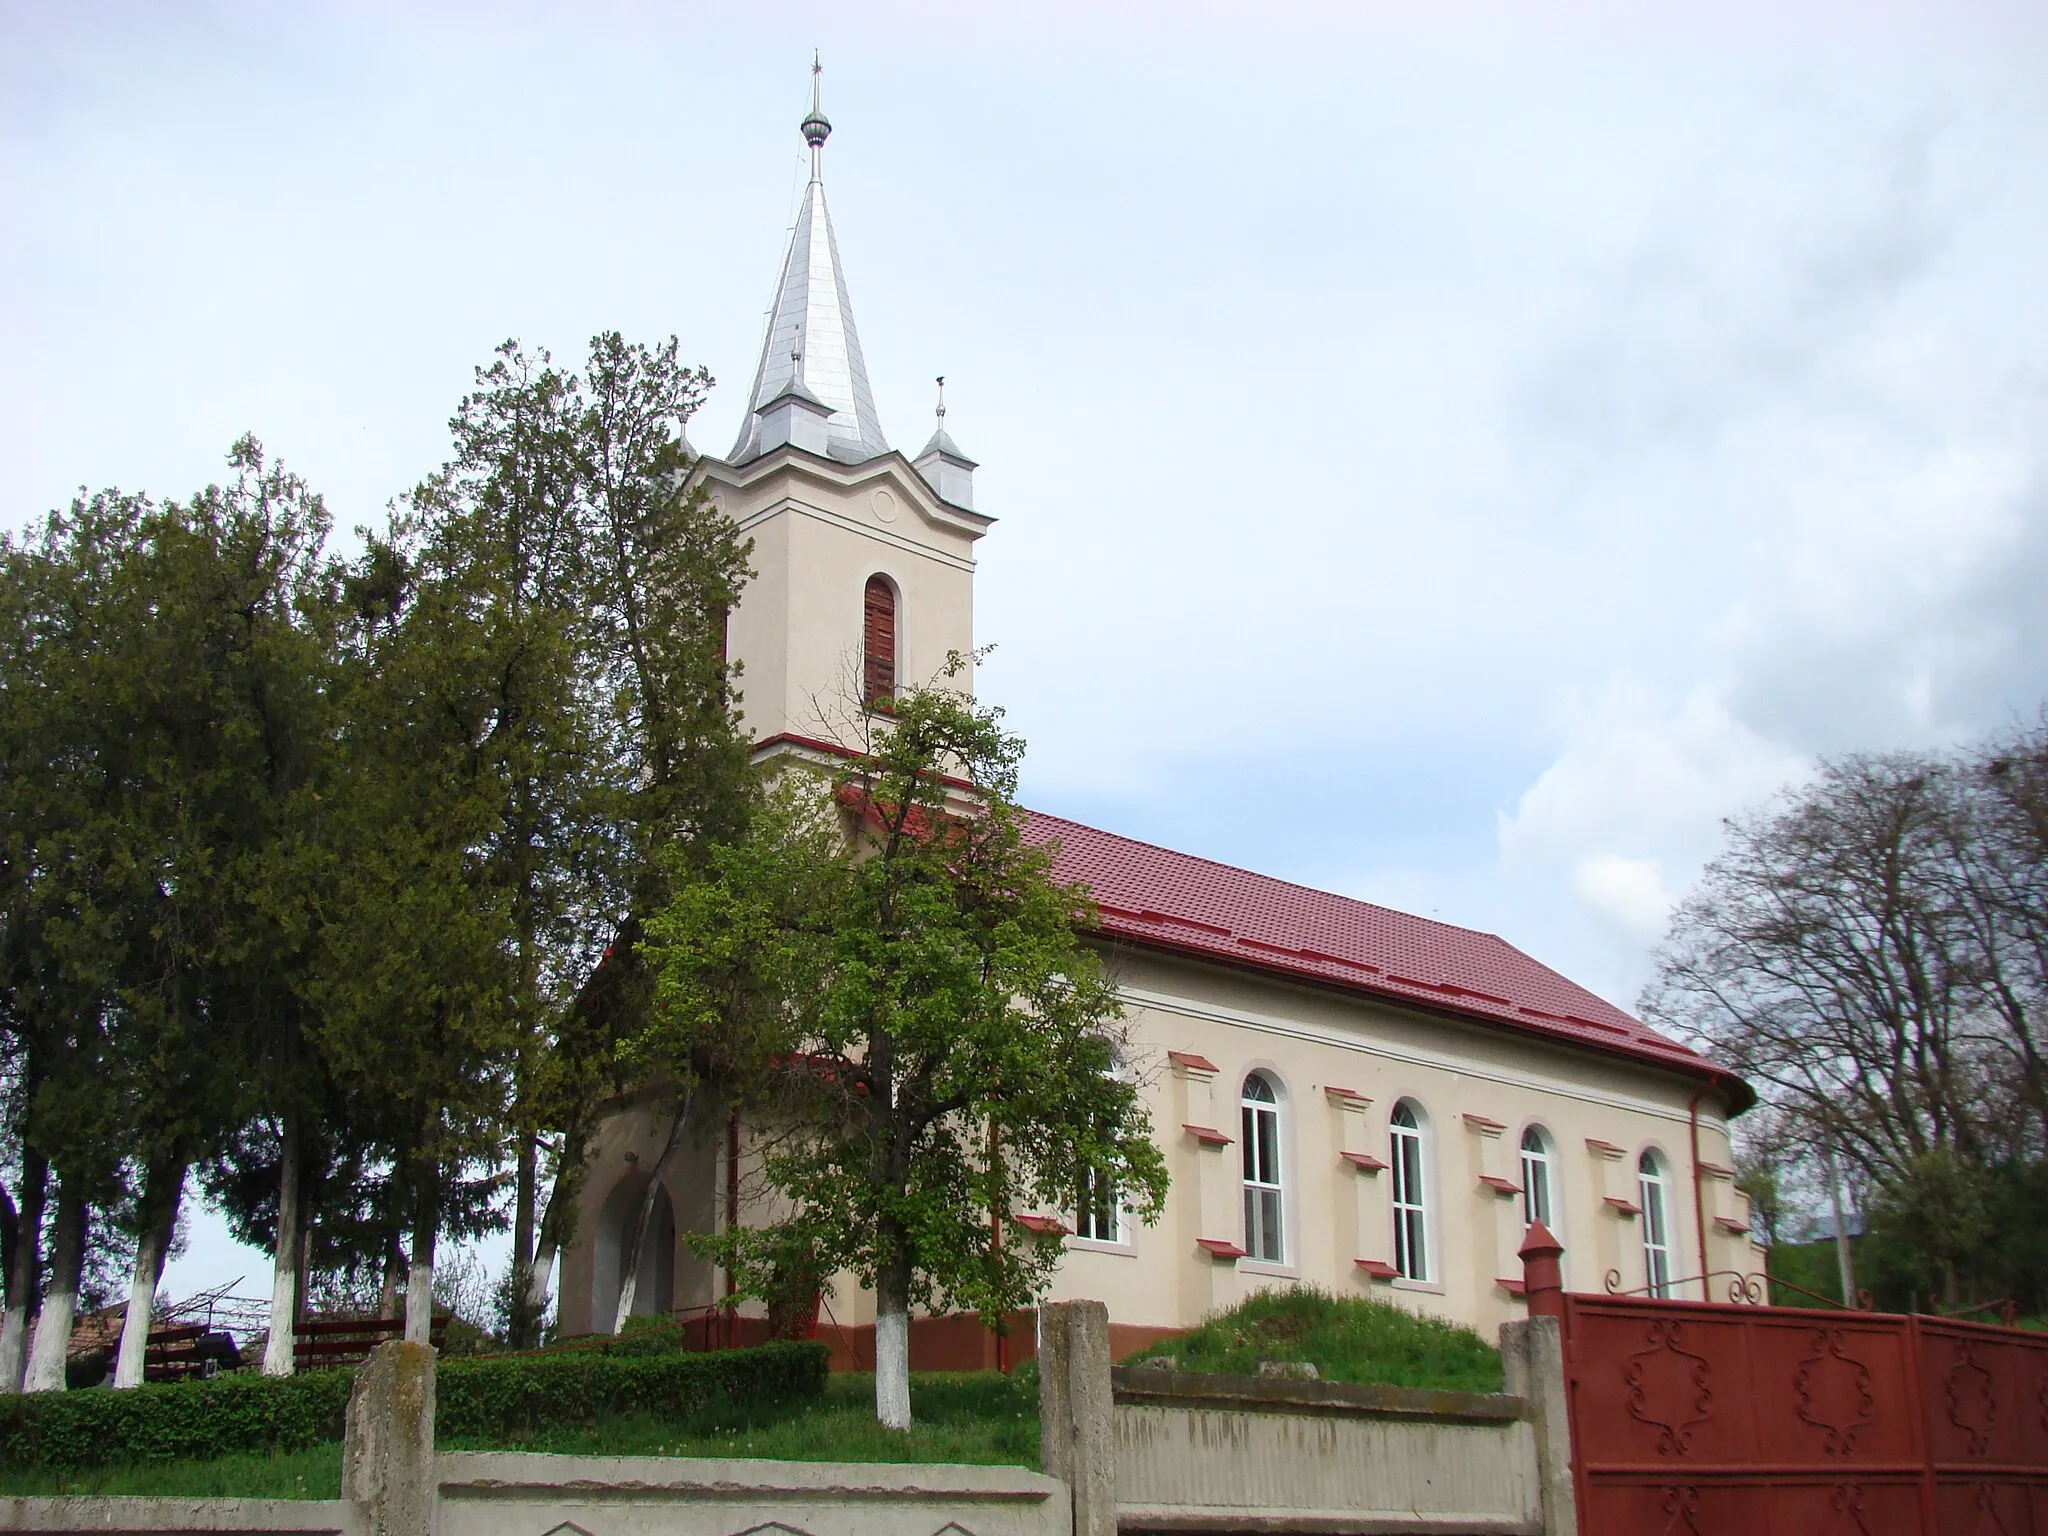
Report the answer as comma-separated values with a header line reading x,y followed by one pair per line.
x,y
654,1291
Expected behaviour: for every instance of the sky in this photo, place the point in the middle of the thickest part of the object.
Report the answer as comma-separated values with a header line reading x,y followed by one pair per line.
x,y
1449,453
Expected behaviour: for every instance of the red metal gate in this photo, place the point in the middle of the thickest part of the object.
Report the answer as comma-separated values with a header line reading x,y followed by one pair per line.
x,y
1702,1418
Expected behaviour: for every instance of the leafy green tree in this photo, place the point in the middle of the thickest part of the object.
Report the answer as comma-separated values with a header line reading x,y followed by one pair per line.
x,y
166,656
576,587
891,983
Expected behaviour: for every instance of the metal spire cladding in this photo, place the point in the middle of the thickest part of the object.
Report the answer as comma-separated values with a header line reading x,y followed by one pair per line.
x,y
811,344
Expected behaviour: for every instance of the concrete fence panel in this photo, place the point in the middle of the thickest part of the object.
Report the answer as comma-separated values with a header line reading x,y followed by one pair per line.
x,y
522,1494
1218,1453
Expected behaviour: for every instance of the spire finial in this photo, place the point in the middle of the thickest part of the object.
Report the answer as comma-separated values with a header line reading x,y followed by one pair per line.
x,y
941,413
817,127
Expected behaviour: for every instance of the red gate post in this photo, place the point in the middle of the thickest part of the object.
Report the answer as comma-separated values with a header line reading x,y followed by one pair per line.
x,y
1532,1363
1542,1276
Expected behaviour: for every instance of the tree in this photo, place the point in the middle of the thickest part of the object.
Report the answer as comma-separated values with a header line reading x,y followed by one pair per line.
x,y
889,980
585,583
1872,950
162,656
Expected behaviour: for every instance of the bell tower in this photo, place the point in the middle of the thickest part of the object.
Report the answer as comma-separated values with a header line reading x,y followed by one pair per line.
x,y
863,559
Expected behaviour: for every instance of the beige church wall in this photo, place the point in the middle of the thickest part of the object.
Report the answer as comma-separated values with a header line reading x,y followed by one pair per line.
x,y
1478,1091
797,627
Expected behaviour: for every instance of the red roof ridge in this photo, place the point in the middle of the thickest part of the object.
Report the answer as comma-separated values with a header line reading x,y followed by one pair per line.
x,y
1239,869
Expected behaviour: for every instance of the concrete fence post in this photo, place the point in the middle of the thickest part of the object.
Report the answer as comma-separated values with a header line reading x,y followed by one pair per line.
x,y
1075,1437
387,1453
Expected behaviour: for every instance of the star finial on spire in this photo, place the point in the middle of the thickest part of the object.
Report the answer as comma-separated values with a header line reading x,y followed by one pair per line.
x,y
817,127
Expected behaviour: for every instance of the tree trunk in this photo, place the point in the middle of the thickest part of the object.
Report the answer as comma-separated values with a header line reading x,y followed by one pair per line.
x,y
561,1202
525,1196
892,1342
394,1267
636,1237
67,1261
24,1271
284,1268
419,1282
166,1183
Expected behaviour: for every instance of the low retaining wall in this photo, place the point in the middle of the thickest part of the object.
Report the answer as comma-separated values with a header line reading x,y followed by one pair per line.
x,y
489,1494
75,1513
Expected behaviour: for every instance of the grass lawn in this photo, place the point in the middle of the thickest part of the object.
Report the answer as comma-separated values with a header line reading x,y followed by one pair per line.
x,y
980,1418
1346,1338
975,1417
314,1473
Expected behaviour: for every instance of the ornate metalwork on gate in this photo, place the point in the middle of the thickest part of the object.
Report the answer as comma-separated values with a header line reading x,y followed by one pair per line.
x,y
1846,1502
1829,1377
1680,1505
1661,1377
1972,1402
1793,1420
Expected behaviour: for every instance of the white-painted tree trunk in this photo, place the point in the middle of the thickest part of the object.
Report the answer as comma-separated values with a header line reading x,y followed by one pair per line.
x,y
13,1345
53,1329
892,1369
284,1270
419,1291
24,1279
540,1278
150,1248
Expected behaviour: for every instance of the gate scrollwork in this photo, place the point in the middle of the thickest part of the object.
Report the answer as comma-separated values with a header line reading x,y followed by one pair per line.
x,y
1821,1385
1972,1405
1648,1375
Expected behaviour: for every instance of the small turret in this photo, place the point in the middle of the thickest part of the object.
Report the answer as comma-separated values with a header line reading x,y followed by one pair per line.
x,y
948,471
794,416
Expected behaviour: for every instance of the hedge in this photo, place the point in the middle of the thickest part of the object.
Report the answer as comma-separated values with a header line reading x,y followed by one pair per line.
x,y
480,1398
483,1398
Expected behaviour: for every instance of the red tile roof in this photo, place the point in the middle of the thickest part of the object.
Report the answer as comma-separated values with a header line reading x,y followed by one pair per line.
x,y
1164,900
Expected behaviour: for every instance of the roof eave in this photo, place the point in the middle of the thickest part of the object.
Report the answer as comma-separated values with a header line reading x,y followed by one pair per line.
x,y
1736,1094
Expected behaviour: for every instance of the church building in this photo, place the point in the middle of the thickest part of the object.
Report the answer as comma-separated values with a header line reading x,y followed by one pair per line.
x,y
1346,1095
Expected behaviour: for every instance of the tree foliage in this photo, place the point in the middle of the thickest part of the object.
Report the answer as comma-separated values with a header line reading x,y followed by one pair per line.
x,y
889,981
326,875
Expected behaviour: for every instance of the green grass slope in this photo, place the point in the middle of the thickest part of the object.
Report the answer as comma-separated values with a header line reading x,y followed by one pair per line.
x,y
1346,1338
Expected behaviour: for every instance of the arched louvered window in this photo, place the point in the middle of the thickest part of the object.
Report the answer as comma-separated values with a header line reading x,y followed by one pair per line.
x,y
878,642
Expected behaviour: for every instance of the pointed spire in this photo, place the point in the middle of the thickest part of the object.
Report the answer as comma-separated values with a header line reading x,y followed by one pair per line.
x,y
811,342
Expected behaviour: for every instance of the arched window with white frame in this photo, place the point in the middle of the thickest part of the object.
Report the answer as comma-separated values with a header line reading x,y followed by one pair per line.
x,y
1411,1193
1538,1192
1653,1194
1264,1194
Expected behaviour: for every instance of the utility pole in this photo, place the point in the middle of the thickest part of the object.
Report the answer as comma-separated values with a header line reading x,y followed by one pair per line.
x,y
1834,1171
